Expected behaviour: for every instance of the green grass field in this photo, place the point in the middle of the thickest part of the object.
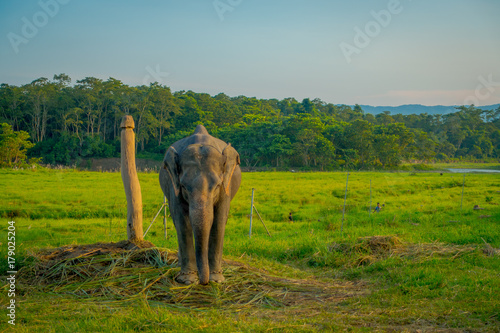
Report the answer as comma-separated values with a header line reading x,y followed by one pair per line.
x,y
437,267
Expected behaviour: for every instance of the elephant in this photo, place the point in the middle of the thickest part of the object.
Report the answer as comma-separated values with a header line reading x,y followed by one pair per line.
x,y
200,176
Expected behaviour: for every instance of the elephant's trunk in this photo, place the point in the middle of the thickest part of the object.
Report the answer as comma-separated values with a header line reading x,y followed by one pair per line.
x,y
201,221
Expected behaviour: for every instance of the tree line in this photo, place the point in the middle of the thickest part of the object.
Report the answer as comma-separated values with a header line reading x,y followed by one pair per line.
x,y
69,122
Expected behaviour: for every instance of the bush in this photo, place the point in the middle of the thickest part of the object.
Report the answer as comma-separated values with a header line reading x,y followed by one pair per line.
x,y
13,148
66,148
422,167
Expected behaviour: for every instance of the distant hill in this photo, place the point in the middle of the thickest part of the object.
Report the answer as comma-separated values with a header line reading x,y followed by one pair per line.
x,y
417,109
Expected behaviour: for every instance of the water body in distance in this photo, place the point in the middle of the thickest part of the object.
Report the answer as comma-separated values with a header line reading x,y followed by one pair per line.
x,y
472,170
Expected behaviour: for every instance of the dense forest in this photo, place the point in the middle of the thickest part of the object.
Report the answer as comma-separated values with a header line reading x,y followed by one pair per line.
x,y
69,122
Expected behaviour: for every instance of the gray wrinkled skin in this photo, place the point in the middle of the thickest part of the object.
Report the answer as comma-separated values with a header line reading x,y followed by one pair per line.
x,y
200,177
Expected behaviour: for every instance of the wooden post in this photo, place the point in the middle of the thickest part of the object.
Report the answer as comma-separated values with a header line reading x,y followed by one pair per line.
x,y
131,181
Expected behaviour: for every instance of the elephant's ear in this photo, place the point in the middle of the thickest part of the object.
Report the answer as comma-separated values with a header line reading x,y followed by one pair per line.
x,y
232,160
171,164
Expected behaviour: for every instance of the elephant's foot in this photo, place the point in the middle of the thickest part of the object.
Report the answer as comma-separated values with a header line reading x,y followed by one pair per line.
x,y
187,277
217,277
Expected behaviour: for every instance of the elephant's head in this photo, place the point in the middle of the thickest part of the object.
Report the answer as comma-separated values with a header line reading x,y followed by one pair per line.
x,y
201,180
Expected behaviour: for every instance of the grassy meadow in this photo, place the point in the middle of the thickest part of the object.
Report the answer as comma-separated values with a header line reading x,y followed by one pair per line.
x,y
434,266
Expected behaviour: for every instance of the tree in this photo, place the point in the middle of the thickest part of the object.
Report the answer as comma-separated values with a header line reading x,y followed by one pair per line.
x,y
287,106
454,129
68,123
142,112
13,147
164,109
39,93
224,110
309,107
111,110
190,112
387,150
11,100
305,141
63,102
384,118
280,146
303,131
423,148
91,101
357,112
344,112
391,142
359,136
323,153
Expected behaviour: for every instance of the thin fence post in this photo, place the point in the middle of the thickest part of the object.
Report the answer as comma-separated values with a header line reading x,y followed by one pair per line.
x,y
165,216
345,199
370,198
462,200
251,216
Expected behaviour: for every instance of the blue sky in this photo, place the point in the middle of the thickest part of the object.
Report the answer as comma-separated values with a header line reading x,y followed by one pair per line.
x,y
385,52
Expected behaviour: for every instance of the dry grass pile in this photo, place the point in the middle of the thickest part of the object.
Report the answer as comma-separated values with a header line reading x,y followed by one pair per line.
x,y
435,249
378,244
120,271
375,247
367,250
444,250
374,244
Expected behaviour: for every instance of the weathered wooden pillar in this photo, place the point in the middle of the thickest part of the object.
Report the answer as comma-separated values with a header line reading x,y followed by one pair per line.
x,y
131,181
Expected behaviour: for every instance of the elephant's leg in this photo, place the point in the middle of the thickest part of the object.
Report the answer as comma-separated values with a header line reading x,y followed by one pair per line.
x,y
217,241
187,259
